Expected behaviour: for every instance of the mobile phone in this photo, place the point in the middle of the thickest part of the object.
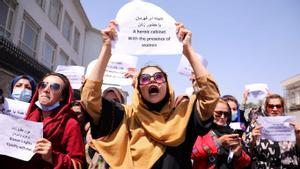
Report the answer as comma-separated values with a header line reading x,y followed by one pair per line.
x,y
237,131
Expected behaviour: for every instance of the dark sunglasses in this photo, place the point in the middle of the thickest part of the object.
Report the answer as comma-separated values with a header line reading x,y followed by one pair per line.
x,y
220,113
272,106
53,86
159,77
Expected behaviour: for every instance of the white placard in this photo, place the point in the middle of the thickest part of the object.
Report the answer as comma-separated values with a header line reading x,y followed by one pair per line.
x,y
235,125
277,128
73,73
18,137
257,90
117,66
14,108
185,67
145,29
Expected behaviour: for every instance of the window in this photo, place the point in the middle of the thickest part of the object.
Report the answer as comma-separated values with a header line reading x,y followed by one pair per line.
x,y
67,27
62,59
6,16
76,40
41,3
29,35
55,11
49,49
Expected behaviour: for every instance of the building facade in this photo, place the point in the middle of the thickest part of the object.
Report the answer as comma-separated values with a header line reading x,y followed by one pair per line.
x,y
38,35
292,95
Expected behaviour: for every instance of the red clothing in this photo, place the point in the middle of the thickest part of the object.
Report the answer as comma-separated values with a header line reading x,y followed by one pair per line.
x,y
202,157
62,129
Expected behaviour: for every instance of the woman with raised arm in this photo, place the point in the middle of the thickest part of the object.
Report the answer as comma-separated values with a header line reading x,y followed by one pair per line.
x,y
150,132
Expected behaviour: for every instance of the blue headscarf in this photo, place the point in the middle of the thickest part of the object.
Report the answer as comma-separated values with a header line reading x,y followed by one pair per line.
x,y
16,79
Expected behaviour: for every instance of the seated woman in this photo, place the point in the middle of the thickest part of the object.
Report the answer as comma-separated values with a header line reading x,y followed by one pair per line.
x,y
273,154
62,145
151,132
213,149
22,88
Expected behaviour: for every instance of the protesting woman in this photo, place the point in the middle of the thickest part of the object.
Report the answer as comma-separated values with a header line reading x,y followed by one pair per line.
x,y
62,145
150,132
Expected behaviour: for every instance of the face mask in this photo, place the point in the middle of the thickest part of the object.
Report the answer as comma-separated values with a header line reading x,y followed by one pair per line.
x,y
22,94
234,115
47,108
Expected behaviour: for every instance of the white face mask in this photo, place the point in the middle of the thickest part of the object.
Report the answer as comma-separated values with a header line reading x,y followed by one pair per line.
x,y
22,94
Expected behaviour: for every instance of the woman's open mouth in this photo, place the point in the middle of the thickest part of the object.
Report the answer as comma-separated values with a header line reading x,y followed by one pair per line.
x,y
153,90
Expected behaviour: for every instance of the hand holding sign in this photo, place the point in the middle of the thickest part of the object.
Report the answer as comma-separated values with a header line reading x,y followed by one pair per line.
x,y
109,34
44,148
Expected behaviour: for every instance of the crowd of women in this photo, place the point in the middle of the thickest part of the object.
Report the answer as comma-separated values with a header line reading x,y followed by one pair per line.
x,y
157,130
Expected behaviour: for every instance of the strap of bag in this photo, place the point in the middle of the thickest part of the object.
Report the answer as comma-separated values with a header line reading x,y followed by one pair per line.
x,y
211,158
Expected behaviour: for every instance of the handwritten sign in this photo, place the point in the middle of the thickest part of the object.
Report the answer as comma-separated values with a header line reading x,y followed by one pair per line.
x,y
117,66
277,128
257,90
73,73
185,67
14,108
146,29
18,137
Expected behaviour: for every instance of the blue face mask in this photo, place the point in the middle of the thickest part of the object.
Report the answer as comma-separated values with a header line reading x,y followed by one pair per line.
x,y
47,108
22,94
234,115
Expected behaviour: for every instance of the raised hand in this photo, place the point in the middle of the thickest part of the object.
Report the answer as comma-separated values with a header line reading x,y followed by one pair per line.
x,y
131,73
245,96
109,34
184,35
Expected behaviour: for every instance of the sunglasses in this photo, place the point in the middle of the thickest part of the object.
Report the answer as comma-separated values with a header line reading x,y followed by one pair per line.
x,y
159,77
53,86
220,113
272,106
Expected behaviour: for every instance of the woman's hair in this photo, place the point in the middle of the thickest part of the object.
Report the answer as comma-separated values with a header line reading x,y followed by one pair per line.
x,y
274,96
29,78
118,92
230,98
66,87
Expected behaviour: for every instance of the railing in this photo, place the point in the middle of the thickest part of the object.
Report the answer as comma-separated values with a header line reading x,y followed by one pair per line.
x,y
17,61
